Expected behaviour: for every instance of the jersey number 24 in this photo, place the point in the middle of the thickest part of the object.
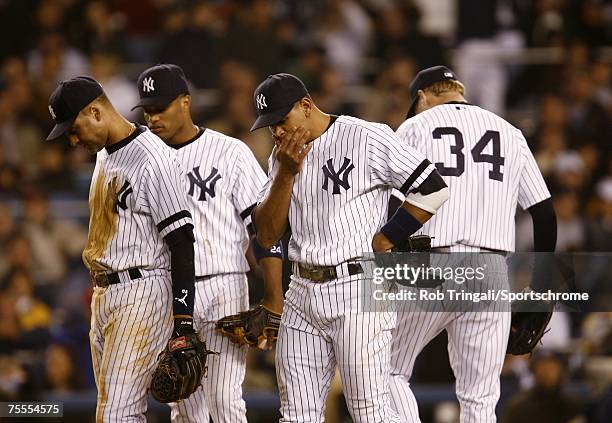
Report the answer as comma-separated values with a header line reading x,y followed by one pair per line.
x,y
477,153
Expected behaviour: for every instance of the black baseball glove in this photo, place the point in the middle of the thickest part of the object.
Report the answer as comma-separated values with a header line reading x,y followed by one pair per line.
x,y
415,243
529,322
180,370
257,327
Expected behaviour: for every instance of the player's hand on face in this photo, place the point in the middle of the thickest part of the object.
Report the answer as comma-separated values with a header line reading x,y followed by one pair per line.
x,y
292,148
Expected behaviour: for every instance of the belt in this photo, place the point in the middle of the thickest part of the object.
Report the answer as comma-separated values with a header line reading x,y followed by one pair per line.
x,y
482,250
103,280
326,273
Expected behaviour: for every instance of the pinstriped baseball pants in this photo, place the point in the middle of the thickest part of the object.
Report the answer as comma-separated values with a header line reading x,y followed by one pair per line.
x,y
322,327
220,395
131,323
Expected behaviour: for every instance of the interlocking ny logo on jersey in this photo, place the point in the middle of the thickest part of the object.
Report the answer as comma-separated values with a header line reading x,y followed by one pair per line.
x,y
261,101
339,178
207,186
122,195
147,85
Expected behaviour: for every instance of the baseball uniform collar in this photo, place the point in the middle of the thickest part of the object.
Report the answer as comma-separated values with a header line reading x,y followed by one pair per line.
x,y
189,141
120,144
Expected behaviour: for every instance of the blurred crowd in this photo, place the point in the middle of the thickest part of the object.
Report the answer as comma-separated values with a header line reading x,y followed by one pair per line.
x,y
545,65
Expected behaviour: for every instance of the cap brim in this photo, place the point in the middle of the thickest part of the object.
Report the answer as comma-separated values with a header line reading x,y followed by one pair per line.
x,y
412,110
59,129
271,118
160,101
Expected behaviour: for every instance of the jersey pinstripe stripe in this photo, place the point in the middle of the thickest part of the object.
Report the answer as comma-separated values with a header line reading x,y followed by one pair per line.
x,y
221,216
155,194
480,211
333,225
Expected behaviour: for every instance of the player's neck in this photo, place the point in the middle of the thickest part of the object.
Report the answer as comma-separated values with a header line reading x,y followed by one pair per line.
x,y
187,132
320,123
120,129
448,97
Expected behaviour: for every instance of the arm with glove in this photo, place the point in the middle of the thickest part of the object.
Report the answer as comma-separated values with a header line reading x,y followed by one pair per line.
x,y
530,318
182,364
259,326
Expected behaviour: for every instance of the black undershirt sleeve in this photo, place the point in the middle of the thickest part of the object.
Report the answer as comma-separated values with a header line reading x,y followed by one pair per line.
x,y
180,242
544,226
544,241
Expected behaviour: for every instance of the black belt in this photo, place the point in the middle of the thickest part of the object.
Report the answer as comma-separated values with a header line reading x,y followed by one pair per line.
x,y
326,273
105,279
204,278
482,250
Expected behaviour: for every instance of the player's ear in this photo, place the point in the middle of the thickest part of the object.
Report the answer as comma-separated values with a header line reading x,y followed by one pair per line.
x,y
94,110
186,101
306,105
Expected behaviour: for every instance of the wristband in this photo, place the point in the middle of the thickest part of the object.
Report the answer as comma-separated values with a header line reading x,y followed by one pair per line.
x,y
260,252
400,226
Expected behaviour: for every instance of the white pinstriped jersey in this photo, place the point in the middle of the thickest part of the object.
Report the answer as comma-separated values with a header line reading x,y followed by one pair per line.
x,y
224,180
488,167
339,199
137,196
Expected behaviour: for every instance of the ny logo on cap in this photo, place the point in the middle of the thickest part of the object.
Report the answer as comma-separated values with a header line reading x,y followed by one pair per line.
x,y
448,74
147,85
52,112
261,101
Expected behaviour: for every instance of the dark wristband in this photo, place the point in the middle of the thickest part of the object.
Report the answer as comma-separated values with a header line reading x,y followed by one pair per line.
x,y
400,226
260,252
183,324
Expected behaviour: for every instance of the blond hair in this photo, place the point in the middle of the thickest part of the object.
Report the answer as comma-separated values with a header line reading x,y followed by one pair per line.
x,y
450,85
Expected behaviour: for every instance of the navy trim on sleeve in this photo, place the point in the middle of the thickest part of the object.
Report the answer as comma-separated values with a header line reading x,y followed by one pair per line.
x,y
417,172
171,219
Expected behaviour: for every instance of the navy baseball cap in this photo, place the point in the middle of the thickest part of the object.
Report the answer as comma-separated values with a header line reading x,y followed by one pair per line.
x,y
426,78
159,85
275,97
68,99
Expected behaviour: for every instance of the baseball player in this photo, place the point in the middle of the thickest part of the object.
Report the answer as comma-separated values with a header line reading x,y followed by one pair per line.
x,y
139,249
224,180
330,178
488,168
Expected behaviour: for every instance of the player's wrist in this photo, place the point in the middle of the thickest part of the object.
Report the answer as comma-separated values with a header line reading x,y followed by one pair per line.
x,y
183,325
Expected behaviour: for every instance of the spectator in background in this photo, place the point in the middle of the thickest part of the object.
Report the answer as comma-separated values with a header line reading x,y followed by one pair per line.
x,y
59,372
10,333
391,98
54,174
196,30
345,31
545,402
19,252
253,38
398,35
53,241
7,228
588,120
118,88
33,315
599,227
53,60
103,30
485,32
13,378
330,93
570,225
